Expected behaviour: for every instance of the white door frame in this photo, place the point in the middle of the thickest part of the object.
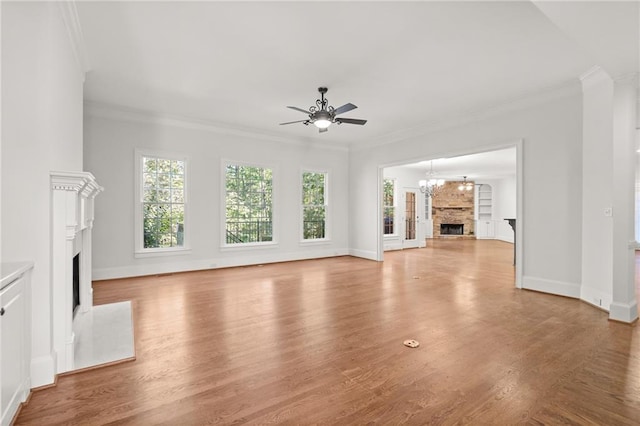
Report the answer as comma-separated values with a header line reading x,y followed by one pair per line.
x,y
519,234
414,243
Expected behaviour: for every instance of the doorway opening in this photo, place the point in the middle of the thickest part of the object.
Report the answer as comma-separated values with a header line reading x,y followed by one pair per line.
x,y
480,197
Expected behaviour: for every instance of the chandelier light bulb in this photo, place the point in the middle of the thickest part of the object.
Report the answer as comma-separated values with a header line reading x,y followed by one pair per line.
x,y
464,185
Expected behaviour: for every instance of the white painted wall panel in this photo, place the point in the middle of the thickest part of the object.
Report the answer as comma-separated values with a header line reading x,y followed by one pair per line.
x,y
41,131
109,155
551,187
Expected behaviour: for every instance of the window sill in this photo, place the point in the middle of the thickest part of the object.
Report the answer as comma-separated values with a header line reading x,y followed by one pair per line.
x,y
316,242
174,251
249,246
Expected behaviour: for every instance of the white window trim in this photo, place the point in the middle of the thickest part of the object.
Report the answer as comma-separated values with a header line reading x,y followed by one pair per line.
x,y
139,250
327,206
395,234
224,246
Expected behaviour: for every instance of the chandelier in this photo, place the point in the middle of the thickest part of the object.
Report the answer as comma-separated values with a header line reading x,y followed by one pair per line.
x,y
430,186
465,186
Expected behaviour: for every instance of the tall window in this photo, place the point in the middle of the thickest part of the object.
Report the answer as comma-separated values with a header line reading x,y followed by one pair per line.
x,y
389,206
314,205
249,204
162,202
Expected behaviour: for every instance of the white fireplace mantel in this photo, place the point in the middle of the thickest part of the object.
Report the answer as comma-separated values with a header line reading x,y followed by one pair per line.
x,y
72,199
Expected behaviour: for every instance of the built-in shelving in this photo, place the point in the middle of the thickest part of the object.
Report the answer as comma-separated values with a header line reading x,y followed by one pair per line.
x,y
485,201
485,227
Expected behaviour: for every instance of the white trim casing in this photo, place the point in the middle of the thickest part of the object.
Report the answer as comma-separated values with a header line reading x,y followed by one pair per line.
x,y
138,250
327,215
395,234
223,210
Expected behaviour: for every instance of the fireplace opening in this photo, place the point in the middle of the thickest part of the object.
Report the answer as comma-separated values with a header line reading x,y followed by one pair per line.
x,y
451,229
76,283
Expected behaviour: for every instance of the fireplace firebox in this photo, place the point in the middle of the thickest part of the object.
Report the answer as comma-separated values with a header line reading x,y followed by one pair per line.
x,y
76,283
451,229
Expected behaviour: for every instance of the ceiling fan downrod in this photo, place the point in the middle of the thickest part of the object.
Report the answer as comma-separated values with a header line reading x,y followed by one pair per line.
x,y
322,103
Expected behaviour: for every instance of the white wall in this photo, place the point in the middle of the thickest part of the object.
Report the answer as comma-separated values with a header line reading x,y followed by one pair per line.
x,y
505,207
110,140
41,131
552,206
597,181
624,303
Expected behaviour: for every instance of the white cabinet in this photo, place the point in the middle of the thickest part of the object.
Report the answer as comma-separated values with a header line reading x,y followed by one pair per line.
x,y
15,338
485,229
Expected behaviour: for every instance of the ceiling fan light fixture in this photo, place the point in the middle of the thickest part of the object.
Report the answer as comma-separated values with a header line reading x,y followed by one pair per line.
x,y
322,115
322,123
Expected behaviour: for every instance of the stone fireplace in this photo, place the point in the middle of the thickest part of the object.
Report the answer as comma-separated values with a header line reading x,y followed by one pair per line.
x,y
72,198
452,212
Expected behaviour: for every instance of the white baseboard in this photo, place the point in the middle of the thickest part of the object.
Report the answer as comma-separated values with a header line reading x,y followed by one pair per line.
x,y
43,370
365,254
393,246
595,297
624,312
505,239
215,263
550,286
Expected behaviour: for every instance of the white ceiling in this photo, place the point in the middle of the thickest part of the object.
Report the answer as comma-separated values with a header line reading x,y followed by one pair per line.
x,y
404,64
497,164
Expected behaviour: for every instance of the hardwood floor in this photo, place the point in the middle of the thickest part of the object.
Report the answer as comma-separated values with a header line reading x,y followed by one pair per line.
x,y
321,342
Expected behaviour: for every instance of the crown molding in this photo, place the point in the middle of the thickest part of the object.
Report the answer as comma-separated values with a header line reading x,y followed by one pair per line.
x,y
594,70
529,100
71,21
594,76
119,112
632,78
83,183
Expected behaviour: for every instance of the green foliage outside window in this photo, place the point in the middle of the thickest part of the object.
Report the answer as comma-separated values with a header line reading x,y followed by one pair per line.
x,y
314,209
163,202
249,204
388,201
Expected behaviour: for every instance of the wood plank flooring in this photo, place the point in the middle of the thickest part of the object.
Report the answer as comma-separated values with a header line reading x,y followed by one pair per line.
x,y
320,342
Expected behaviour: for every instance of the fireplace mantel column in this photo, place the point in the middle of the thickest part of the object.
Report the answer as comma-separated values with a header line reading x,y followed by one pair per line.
x,y
72,199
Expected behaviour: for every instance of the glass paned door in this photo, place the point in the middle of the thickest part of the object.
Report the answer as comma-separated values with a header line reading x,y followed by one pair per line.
x,y
410,216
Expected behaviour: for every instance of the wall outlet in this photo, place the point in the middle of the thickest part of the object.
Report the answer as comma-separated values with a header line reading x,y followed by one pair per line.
x,y
608,212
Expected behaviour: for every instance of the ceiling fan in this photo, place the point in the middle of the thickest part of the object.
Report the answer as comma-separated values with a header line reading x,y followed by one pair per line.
x,y
322,115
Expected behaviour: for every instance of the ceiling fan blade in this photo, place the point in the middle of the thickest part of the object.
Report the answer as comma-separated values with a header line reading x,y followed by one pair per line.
x,y
351,121
291,122
299,109
344,108
323,130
